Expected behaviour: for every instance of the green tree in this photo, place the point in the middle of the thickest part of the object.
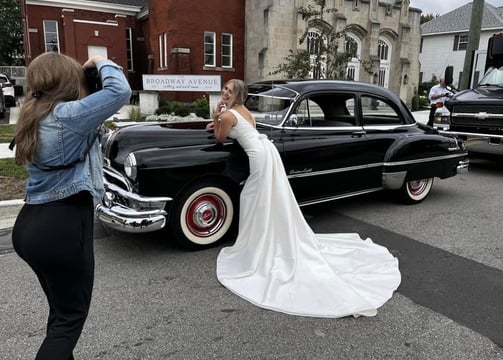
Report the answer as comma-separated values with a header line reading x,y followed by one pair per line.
x,y
322,58
11,33
427,17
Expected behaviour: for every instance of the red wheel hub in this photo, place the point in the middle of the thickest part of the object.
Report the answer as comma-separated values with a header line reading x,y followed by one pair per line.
x,y
205,215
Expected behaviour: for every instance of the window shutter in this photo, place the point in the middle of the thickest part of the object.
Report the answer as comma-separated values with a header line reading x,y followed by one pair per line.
x,y
456,41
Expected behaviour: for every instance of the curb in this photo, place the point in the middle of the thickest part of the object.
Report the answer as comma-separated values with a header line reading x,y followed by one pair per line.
x,y
11,202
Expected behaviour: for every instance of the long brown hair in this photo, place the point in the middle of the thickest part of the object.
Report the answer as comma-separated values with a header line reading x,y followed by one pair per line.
x,y
239,92
51,78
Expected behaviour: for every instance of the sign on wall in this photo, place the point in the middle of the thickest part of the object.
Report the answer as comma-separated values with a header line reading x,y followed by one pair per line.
x,y
207,83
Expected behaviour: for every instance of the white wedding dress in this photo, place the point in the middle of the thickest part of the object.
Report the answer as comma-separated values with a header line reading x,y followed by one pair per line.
x,y
278,263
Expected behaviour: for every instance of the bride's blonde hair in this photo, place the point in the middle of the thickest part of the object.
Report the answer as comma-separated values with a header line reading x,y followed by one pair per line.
x,y
239,92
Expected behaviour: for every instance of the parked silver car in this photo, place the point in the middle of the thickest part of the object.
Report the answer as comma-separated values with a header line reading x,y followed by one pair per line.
x,y
8,89
2,104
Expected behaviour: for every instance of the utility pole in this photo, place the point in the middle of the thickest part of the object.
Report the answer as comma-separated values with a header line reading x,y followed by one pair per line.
x,y
473,42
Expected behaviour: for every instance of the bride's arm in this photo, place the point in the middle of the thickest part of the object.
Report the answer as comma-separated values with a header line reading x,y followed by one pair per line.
x,y
222,125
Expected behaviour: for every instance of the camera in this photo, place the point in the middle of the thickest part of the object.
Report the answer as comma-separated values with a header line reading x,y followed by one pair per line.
x,y
93,80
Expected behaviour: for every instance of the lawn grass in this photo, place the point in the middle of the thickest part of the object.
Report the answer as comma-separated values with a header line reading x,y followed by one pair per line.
x,y
9,168
7,133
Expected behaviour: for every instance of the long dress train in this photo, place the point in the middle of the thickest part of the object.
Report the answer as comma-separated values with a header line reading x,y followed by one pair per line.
x,y
279,263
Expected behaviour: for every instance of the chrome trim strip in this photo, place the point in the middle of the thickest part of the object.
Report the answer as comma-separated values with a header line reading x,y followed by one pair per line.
x,y
332,171
108,171
436,158
477,135
150,201
388,127
341,128
480,115
367,166
338,197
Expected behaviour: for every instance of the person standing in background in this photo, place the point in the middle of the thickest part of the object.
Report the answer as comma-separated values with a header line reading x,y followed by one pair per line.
x,y
438,93
57,139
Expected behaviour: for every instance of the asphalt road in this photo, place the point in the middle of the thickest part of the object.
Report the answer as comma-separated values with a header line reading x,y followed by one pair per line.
x,y
154,301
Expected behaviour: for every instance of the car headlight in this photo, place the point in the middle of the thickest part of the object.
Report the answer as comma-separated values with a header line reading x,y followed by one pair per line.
x,y
130,167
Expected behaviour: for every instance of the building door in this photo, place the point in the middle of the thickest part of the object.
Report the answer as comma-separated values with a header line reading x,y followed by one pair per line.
x,y
97,50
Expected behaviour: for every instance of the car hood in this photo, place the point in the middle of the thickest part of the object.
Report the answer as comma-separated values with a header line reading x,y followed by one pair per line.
x,y
480,96
120,142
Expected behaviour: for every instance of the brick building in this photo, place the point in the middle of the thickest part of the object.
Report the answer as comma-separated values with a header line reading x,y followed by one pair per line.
x,y
143,36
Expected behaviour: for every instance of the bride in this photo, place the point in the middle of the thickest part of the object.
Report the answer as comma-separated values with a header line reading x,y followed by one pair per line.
x,y
277,261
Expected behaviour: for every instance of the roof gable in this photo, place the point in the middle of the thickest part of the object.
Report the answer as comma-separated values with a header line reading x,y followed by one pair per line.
x,y
458,20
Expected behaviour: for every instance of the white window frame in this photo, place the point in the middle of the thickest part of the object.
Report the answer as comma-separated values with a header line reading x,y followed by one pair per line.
x,y
129,49
227,45
46,33
462,42
315,39
384,51
163,50
209,49
353,66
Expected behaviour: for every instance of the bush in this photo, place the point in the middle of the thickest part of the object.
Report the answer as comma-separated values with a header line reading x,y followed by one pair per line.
x,y
134,113
424,88
163,109
202,107
179,109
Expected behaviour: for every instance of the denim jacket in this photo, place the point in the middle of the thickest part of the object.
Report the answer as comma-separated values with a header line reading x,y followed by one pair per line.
x,y
69,132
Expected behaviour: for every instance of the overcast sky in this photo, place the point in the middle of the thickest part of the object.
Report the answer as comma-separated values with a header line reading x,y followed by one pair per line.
x,y
444,6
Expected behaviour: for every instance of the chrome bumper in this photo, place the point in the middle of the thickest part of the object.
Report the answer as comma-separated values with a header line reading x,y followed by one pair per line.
x,y
127,211
479,143
463,166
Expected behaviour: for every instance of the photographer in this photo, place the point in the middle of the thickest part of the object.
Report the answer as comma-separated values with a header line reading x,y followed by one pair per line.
x,y
57,139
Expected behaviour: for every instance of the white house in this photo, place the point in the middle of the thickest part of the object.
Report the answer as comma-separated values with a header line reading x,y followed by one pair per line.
x,y
445,38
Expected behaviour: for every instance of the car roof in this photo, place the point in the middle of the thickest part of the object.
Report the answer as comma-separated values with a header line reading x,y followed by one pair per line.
x,y
308,85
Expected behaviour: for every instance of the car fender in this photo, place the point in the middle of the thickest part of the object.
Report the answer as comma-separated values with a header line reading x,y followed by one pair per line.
x,y
418,157
161,170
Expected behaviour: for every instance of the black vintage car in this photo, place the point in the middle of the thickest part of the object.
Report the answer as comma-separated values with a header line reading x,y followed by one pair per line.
x,y
337,139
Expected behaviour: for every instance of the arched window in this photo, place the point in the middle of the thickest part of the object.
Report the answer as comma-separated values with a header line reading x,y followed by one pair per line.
x,y
384,50
316,45
352,46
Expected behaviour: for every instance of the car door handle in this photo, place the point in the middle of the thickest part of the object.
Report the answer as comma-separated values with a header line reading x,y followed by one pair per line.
x,y
358,133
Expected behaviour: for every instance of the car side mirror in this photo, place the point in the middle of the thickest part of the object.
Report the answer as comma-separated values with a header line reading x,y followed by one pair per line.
x,y
448,75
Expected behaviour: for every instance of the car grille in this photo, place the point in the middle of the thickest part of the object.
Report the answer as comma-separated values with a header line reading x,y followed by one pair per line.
x,y
472,118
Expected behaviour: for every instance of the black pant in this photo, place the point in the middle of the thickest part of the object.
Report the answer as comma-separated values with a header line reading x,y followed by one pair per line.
x,y
56,240
433,108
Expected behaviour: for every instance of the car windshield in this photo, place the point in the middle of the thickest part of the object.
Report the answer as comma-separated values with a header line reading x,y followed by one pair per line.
x,y
493,77
270,105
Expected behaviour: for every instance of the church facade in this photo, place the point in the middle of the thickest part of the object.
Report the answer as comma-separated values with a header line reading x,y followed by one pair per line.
x,y
385,34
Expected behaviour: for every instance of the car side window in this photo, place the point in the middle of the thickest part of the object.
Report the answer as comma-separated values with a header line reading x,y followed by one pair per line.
x,y
325,110
376,111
